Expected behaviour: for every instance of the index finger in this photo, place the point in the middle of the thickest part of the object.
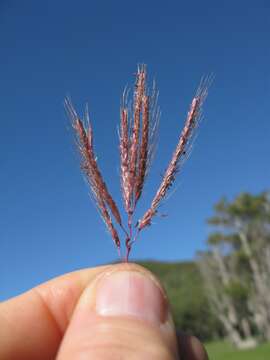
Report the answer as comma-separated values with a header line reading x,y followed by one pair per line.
x,y
32,325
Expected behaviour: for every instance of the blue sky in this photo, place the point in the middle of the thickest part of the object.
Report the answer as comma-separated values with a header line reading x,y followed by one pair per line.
x,y
90,50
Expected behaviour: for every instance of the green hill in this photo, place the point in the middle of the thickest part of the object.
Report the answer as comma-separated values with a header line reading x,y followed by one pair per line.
x,y
187,296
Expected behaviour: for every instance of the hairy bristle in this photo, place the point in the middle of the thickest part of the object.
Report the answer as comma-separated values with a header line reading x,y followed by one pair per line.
x,y
124,158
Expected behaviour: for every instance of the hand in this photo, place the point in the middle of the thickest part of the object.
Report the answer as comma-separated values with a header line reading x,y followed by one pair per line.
x,y
111,312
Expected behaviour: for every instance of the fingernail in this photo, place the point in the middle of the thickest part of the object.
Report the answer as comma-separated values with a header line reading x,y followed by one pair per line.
x,y
131,293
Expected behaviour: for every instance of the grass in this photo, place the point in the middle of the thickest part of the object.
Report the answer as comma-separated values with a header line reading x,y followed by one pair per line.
x,y
223,351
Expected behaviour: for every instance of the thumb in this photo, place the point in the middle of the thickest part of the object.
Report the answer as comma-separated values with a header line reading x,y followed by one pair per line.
x,y
122,314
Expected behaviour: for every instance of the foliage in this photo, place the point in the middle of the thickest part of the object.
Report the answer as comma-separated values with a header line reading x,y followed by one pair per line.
x,y
230,294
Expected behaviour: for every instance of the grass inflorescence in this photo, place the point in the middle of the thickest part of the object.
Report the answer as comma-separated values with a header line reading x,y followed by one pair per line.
x,y
139,120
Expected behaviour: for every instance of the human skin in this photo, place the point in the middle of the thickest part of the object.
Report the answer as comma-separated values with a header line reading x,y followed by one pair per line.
x,y
109,312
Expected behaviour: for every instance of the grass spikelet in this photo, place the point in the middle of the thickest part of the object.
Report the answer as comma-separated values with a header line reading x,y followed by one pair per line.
x,y
92,173
180,151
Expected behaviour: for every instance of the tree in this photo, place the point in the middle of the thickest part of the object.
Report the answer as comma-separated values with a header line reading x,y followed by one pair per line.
x,y
236,267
